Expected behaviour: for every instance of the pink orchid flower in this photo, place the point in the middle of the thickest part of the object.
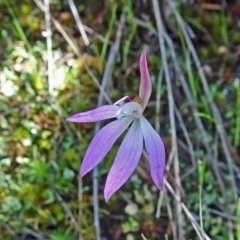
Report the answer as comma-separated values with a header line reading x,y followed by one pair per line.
x,y
128,112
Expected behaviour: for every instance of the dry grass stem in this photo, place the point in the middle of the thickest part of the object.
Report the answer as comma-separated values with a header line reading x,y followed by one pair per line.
x,y
189,143
194,223
106,77
68,211
214,108
199,123
78,22
49,45
75,50
160,28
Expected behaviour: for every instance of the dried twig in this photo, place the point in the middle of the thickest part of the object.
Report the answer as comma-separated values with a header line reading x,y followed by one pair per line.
x,y
75,50
55,105
106,76
199,123
33,233
216,169
49,45
9,229
97,35
68,211
158,100
194,223
215,110
80,210
230,230
159,205
78,21
222,214
157,128
160,28
171,219
189,143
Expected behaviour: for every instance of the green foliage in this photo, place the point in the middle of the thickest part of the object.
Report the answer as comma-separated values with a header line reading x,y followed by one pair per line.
x,y
133,28
201,171
17,27
108,34
62,235
35,160
131,226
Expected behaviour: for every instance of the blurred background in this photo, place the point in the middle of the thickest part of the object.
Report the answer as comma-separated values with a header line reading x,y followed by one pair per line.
x,y
54,56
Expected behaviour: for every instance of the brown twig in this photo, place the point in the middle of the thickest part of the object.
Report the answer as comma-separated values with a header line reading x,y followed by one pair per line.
x,y
171,219
160,28
157,128
106,77
78,21
75,50
199,123
215,110
68,211
189,143
216,169
194,223
49,45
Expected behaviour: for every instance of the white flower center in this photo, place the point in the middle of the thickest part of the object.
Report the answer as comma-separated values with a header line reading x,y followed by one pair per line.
x,y
129,106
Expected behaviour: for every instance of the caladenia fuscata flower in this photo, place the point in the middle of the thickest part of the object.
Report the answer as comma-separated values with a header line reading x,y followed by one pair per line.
x,y
128,113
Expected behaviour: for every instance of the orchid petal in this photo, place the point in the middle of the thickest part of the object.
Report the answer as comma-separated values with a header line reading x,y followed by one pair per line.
x,y
126,160
155,152
121,101
145,84
97,114
102,143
